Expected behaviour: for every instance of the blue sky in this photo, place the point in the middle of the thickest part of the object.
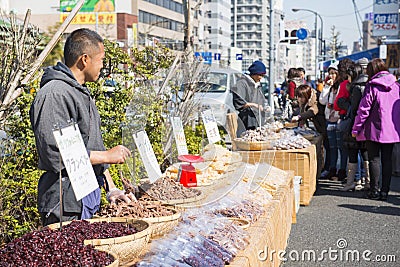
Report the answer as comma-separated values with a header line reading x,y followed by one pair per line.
x,y
333,12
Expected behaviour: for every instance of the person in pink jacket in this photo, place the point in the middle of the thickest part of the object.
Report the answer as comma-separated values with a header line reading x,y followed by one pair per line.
x,y
377,122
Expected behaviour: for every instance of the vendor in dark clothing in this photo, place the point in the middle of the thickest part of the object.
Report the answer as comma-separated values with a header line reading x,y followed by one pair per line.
x,y
63,96
248,98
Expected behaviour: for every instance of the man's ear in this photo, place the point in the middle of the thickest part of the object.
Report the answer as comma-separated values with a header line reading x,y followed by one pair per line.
x,y
85,59
82,61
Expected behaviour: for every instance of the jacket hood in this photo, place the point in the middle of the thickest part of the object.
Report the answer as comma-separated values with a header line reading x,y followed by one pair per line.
x,y
363,78
250,80
63,73
383,79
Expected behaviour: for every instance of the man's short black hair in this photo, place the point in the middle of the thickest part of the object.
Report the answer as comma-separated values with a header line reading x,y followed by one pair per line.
x,y
79,42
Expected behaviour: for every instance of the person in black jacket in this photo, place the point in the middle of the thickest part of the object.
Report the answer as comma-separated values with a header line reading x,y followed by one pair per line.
x,y
64,96
358,80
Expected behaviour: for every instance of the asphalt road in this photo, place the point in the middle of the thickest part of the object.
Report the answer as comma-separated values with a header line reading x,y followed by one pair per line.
x,y
346,229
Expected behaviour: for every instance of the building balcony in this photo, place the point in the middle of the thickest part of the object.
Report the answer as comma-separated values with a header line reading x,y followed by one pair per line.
x,y
248,21
246,29
247,3
247,12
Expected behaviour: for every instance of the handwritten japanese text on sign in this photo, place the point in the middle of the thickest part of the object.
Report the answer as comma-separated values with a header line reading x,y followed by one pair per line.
x,y
179,135
76,161
147,155
211,126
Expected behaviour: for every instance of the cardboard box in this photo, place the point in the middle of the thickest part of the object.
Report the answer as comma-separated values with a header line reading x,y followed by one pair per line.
x,y
302,161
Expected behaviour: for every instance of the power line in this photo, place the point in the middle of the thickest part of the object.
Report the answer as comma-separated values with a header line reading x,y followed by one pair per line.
x,y
345,15
358,19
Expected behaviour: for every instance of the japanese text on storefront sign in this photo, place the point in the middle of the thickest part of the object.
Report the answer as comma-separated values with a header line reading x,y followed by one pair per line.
x,y
386,18
90,18
386,21
76,160
211,126
147,155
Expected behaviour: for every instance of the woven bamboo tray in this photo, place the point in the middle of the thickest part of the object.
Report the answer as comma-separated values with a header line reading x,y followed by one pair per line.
x,y
309,137
177,201
164,224
115,256
127,247
291,125
262,145
183,200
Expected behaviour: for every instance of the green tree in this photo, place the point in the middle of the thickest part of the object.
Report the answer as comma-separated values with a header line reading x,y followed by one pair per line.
x,y
335,43
57,53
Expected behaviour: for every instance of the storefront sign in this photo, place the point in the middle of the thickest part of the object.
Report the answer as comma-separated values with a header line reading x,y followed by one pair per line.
x,y
211,126
76,160
179,135
89,5
147,155
91,18
386,18
92,12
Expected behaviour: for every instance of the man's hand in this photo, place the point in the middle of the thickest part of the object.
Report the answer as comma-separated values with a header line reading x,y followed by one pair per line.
x,y
116,193
118,154
295,118
115,155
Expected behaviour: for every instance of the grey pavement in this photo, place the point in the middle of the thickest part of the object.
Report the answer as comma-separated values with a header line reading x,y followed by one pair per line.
x,y
346,229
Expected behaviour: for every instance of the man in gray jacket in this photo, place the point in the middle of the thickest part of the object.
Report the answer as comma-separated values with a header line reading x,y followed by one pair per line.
x,y
248,98
64,96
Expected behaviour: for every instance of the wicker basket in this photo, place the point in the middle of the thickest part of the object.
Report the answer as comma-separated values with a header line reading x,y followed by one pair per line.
x,y
127,247
262,145
183,200
291,125
164,224
115,256
309,137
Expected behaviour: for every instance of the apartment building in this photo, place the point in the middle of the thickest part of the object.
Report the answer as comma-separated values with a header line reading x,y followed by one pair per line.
x,y
216,20
250,29
116,25
162,21
368,41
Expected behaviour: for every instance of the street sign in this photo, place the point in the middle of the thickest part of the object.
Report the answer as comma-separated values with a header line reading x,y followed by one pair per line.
x,y
207,56
383,51
301,33
239,56
386,18
217,56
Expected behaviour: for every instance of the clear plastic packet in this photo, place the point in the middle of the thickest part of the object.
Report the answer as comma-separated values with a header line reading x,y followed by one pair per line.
x,y
160,261
215,248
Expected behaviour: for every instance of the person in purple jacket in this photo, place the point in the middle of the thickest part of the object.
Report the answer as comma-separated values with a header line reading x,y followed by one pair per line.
x,y
377,122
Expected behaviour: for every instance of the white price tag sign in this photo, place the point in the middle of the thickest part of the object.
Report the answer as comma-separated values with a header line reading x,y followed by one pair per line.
x,y
147,154
211,126
76,161
179,135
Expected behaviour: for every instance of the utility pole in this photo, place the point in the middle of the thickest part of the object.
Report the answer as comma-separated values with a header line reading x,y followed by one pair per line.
x,y
271,55
186,13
